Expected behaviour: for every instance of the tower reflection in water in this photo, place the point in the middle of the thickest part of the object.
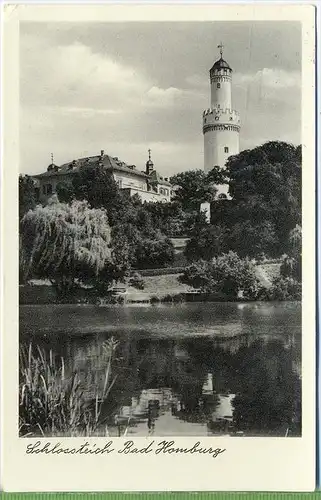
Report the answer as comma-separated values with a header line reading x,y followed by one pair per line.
x,y
231,386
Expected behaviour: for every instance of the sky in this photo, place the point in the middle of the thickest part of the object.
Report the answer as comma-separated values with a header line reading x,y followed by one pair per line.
x,y
128,87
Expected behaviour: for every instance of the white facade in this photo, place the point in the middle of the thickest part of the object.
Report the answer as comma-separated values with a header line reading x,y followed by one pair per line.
x,y
148,185
221,123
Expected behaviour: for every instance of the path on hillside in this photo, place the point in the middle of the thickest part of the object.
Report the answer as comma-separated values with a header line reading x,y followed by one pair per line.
x,y
267,272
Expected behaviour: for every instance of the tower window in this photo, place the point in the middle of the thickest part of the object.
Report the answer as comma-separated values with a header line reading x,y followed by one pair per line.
x,y
226,149
218,86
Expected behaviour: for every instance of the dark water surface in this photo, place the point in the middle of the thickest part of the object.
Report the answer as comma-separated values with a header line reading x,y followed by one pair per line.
x,y
193,369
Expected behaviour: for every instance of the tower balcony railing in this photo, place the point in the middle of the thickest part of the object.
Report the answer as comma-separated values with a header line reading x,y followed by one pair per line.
x,y
220,111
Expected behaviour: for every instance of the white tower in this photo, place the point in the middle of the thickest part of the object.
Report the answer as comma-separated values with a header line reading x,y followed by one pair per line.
x,y
221,123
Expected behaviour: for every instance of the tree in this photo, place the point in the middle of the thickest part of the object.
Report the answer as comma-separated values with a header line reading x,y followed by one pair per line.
x,y
265,184
207,241
65,243
193,188
217,176
295,242
250,239
225,275
65,192
96,185
27,194
153,252
168,217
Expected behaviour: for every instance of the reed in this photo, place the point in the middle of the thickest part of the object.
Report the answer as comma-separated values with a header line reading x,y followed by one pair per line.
x,y
51,403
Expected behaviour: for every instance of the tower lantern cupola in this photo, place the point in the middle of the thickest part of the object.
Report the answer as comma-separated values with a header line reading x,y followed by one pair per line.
x,y
149,164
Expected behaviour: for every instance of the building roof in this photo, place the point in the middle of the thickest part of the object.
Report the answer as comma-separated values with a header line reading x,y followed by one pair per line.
x,y
221,64
154,176
110,162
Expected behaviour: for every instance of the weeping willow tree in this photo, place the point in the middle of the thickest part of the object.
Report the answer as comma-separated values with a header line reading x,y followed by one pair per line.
x,y
64,243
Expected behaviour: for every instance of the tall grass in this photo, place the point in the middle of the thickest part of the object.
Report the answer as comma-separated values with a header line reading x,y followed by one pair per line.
x,y
51,403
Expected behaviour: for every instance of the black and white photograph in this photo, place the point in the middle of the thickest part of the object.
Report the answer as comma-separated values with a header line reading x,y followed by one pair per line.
x,y
160,229
158,248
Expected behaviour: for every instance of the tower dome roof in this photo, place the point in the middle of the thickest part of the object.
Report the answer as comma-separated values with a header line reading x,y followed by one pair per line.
x,y
221,64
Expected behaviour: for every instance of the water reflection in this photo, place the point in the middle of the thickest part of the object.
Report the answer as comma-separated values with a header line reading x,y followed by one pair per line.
x,y
244,384
205,386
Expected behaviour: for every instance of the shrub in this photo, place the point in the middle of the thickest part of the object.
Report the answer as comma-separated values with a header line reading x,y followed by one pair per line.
x,y
179,297
154,299
167,298
227,274
286,288
291,268
137,281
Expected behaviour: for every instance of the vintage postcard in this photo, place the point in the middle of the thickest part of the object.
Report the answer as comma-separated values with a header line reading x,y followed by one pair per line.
x,y
158,235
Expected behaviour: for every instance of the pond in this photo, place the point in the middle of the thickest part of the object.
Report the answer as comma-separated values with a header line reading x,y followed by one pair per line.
x,y
194,369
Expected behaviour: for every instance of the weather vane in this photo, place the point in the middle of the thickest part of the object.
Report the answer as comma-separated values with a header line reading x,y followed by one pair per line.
x,y
221,46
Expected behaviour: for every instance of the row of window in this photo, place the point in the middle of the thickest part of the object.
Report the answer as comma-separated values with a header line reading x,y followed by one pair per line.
x,y
164,191
161,190
48,190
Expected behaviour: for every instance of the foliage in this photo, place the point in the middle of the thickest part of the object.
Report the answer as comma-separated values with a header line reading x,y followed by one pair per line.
x,y
226,275
154,300
65,243
96,185
265,185
153,252
65,192
267,399
291,266
53,403
295,242
286,288
137,281
207,241
193,188
136,239
27,195
169,218
252,240
217,176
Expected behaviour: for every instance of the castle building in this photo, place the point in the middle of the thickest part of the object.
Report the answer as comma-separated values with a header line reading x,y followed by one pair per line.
x,y
149,185
221,123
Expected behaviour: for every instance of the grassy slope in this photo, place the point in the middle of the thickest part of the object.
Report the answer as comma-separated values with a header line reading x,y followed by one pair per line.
x,y
168,284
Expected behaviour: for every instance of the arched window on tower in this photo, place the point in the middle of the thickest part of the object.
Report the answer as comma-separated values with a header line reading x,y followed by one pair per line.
x,y
218,86
226,149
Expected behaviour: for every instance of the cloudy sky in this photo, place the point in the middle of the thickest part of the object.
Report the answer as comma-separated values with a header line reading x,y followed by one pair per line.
x,y
125,87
